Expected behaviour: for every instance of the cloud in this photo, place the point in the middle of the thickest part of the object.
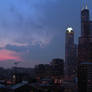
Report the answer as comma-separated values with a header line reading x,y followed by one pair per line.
x,y
28,27
16,48
26,22
8,55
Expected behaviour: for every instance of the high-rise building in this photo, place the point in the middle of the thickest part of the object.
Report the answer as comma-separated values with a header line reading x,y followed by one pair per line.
x,y
85,53
57,67
57,70
85,40
70,52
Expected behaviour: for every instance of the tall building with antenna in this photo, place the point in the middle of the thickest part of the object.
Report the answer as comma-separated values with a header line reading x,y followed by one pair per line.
x,y
85,40
85,52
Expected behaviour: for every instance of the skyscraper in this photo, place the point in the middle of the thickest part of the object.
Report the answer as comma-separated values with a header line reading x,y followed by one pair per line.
x,y
85,40
85,53
70,52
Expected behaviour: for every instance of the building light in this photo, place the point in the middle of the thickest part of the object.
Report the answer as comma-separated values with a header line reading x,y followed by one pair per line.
x,y
69,29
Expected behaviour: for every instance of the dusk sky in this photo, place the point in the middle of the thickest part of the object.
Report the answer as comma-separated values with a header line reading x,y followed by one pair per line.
x,y
33,31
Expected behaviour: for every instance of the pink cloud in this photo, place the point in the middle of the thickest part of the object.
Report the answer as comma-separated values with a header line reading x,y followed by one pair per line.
x,y
8,55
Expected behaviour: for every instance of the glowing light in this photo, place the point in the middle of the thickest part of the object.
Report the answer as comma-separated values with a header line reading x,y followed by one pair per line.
x,y
14,76
69,29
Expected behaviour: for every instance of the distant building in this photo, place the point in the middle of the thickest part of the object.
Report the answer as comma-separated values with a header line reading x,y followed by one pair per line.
x,y
70,52
57,70
42,70
85,53
54,70
57,67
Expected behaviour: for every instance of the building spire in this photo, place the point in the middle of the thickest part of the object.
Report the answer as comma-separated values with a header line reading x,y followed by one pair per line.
x,y
83,5
86,7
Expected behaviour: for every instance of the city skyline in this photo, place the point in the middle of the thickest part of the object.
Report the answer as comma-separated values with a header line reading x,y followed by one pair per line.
x,y
33,32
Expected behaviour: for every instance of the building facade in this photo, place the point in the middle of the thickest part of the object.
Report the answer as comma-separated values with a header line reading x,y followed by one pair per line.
x,y
57,67
85,83
57,70
85,53
70,52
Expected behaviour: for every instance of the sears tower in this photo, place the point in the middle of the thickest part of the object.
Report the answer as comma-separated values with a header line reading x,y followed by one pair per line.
x,y
85,40
85,53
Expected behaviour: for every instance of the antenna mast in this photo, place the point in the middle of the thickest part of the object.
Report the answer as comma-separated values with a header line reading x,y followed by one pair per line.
x,y
86,5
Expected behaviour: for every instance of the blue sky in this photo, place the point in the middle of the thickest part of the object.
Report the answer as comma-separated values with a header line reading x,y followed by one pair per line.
x,y
33,31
